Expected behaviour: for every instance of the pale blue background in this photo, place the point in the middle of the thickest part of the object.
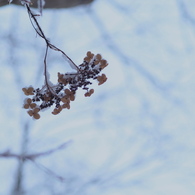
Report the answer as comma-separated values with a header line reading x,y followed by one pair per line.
x,y
136,134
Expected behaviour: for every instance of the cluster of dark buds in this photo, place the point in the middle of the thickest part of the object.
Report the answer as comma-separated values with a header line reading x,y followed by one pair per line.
x,y
62,93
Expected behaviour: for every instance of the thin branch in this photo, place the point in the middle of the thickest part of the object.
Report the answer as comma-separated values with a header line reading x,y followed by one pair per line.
x,y
39,31
8,154
128,61
48,171
46,73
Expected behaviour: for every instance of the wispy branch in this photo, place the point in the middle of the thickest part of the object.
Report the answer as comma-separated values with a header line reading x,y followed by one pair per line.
x,y
8,154
40,32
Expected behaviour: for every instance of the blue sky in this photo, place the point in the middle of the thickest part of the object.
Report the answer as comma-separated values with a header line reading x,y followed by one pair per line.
x,y
135,134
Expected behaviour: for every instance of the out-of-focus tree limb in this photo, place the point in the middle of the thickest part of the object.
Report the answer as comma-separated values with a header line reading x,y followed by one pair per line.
x,y
52,4
8,154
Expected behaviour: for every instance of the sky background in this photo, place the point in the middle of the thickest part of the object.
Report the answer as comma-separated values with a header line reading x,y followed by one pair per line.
x,y
135,134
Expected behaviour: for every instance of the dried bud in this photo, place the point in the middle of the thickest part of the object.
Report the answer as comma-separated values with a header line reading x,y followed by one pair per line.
x,y
67,105
89,93
34,113
28,104
102,79
57,110
69,94
89,57
28,91
103,64
98,57
65,100
61,79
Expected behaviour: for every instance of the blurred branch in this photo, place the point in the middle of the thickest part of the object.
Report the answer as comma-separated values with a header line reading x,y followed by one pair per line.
x,y
39,31
18,182
48,171
127,60
8,154
116,50
184,12
52,4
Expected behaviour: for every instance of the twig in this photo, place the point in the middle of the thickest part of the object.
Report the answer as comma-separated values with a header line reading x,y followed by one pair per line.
x,y
39,31
8,154
48,171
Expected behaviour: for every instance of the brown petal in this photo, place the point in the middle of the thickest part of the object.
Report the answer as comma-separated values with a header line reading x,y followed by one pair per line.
x,y
72,97
30,112
98,57
29,101
36,116
36,110
67,91
26,106
33,105
65,100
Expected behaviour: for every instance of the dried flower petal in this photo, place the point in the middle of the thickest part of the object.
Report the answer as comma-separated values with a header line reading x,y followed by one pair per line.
x,y
102,79
29,104
103,64
57,110
98,57
34,113
66,106
36,116
89,93
33,105
30,112
65,99
67,91
61,79
89,56
28,91
69,94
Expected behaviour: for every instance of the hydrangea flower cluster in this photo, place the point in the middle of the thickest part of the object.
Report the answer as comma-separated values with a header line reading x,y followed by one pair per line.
x,y
65,90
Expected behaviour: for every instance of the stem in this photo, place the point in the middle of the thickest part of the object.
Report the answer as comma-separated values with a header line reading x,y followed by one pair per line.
x,y
45,68
39,31
45,73
18,186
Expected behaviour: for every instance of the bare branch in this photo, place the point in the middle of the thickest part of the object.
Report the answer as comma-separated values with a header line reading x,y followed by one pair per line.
x,y
48,171
39,31
8,154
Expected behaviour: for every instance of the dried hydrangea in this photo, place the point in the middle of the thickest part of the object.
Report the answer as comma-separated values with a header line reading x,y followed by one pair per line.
x,y
61,94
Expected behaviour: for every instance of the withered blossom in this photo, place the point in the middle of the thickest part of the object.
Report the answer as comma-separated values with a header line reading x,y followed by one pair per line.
x,y
34,113
64,91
